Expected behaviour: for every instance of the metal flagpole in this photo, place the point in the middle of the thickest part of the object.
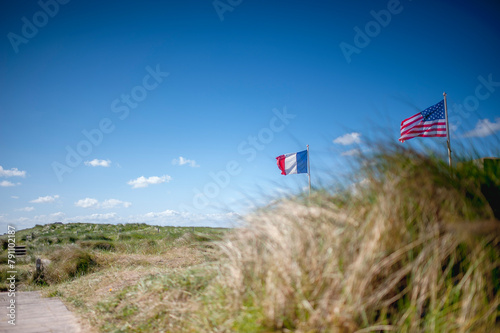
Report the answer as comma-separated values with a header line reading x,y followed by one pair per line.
x,y
309,170
447,129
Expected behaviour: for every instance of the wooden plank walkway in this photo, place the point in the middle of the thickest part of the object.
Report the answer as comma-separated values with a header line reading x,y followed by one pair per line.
x,y
35,314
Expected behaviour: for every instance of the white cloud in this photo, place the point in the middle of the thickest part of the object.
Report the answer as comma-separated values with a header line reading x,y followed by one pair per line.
x,y
162,218
46,199
96,162
106,204
484,128
6,183
14,197
453,127
87,203
111,203
145,182
108,217
26,209
14,172
352,152
58,215
184,161
54,217
165,213
92,218
348,139
175,218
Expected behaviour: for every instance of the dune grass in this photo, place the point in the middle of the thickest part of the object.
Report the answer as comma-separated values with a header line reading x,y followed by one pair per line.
x,y
412,246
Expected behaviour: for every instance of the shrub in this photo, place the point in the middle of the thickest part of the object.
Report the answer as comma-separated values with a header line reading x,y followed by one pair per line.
x,y
22,274
97,245
66,263
96,237
124,237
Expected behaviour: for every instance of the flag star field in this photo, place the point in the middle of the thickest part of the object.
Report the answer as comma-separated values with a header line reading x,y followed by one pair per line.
x,y
434,112
173,112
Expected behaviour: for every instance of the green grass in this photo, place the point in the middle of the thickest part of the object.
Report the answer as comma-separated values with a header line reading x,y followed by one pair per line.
x,y
73,249
413,247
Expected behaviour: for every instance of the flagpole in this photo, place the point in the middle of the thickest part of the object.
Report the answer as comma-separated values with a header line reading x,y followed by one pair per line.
x,y
309,170
447,129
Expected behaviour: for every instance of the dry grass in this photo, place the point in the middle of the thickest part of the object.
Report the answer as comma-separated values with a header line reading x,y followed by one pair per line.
x,y
101,297
414,247
387,256
66,263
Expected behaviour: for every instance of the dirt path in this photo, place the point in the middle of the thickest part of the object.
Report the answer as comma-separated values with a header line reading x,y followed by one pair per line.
x,y
34,314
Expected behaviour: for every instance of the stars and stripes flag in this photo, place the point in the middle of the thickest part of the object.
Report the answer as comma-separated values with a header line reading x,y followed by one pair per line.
x,y
429,123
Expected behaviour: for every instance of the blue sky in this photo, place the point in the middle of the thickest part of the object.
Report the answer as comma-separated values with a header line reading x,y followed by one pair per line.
x,y
172,112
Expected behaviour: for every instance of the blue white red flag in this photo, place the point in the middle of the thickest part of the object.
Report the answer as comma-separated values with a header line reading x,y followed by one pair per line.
x,y
429,123
293,163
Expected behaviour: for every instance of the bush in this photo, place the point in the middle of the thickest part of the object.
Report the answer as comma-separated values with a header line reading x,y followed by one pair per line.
x,y
124,237
96,237
66,263
21,275
97,245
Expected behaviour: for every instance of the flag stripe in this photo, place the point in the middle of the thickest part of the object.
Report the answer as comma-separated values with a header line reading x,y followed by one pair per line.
x,y
302,162
423,134
425,126
292,163
441,127
281,164
428,123
426,131
411,120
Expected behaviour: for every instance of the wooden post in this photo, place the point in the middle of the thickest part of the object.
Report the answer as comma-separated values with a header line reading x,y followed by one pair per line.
x,y
447,129
309,170
39,266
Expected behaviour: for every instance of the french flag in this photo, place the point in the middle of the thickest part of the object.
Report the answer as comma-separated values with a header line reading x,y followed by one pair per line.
x,y
293,163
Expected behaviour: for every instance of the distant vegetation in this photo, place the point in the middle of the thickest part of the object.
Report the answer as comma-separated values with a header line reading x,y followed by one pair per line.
x,y
412,246
75,249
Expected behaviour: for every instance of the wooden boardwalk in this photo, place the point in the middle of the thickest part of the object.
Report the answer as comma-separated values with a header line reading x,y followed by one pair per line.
x,y
35,314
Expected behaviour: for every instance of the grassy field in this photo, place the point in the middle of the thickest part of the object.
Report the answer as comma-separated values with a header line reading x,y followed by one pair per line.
x,y
412,246
94,267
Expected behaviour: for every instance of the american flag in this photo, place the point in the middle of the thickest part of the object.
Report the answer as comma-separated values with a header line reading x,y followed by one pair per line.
x,y
430,122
